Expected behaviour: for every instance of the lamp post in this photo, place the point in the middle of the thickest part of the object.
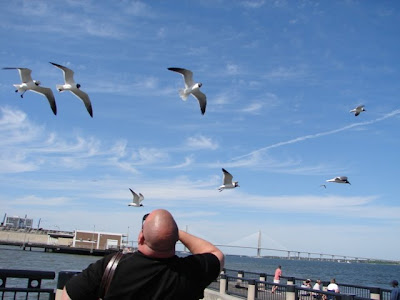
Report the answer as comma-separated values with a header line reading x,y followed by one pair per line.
x,y
91,248
127,238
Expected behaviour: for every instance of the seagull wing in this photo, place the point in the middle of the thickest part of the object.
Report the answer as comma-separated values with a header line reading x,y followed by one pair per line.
x,y
24,74
187,75
342,178
357,113
360,107
141,197
68,73
85,98
227,177
49,95
135,197
202,100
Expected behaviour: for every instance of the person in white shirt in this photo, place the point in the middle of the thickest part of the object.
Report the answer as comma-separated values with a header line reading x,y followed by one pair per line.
x,y
317,286
333,287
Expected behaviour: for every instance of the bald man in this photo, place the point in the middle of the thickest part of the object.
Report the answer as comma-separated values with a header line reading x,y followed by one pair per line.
x,y
154,271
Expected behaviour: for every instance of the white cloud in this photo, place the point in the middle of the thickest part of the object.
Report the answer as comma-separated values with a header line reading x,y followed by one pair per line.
x,y
286,73
232,69
40,201
188,161
201,142
253,3
254,107
137,8
28,147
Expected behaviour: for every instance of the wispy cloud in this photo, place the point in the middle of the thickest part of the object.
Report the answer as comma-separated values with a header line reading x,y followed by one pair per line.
x,y
254,107
137,8
286,73
232,69
28,147
253,3
201,142
188,161
317,135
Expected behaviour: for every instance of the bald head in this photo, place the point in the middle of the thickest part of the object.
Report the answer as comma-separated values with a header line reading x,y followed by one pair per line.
x,y
160,233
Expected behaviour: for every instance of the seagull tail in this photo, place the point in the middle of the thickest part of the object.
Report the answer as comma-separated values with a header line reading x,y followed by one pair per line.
x,y
18,88
60,87
183,95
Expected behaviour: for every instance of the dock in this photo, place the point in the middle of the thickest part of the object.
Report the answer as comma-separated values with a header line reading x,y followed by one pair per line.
x,y
31,246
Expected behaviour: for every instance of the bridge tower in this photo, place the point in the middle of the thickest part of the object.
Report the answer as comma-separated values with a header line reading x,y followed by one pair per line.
x,y
259,244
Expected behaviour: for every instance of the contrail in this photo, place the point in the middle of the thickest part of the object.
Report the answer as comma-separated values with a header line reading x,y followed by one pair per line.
x,y
316,135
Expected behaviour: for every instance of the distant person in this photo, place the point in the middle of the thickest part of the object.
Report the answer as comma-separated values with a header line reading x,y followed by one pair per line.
x,y
306,285
333,287
318,287
277,278
395,294
154,271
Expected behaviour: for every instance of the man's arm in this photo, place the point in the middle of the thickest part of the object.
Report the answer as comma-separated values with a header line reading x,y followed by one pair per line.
x,y
64,295
197,245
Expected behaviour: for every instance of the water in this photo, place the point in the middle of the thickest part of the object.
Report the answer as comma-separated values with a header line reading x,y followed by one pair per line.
x,y
377,275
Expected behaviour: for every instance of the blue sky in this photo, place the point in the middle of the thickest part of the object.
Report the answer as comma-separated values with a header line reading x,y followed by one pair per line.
x,y
280,79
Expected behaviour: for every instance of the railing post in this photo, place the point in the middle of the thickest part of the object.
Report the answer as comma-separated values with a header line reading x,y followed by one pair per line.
x,y
290,281
222,284
345,297
291,292
63,277
240,275
263,277
251,289
375,293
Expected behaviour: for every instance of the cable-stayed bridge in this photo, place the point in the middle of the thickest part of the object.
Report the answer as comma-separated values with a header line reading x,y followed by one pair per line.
x,y
278,250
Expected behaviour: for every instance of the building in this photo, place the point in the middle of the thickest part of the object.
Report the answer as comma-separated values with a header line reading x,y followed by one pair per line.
x,y
97,240
18,222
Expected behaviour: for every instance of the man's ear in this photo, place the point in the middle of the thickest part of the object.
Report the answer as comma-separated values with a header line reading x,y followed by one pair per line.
x,y
141,238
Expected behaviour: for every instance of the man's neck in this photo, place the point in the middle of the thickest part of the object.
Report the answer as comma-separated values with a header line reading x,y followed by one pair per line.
x,y
147,251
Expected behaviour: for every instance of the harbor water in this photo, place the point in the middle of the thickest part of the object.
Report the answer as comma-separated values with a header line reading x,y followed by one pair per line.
x,y
366,274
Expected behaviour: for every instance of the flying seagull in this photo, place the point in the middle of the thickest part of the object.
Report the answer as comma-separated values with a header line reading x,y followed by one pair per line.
x,y
323,185
191,87
358,110
227,182
137,199
73,87
33,85
340,179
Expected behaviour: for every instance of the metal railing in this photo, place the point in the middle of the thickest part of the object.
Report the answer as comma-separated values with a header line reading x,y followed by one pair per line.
x,y
12,282
27,284
356,291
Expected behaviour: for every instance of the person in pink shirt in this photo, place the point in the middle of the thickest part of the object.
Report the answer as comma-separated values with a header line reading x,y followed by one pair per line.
x,y
277,278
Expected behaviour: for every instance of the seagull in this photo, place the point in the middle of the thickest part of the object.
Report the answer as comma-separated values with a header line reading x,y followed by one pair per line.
x,y
323,185
191,87
340,179
33,85
228,183
137,199
358,110
73,87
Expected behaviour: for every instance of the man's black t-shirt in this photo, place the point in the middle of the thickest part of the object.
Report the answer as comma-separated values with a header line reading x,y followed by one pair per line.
x,y
141,277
